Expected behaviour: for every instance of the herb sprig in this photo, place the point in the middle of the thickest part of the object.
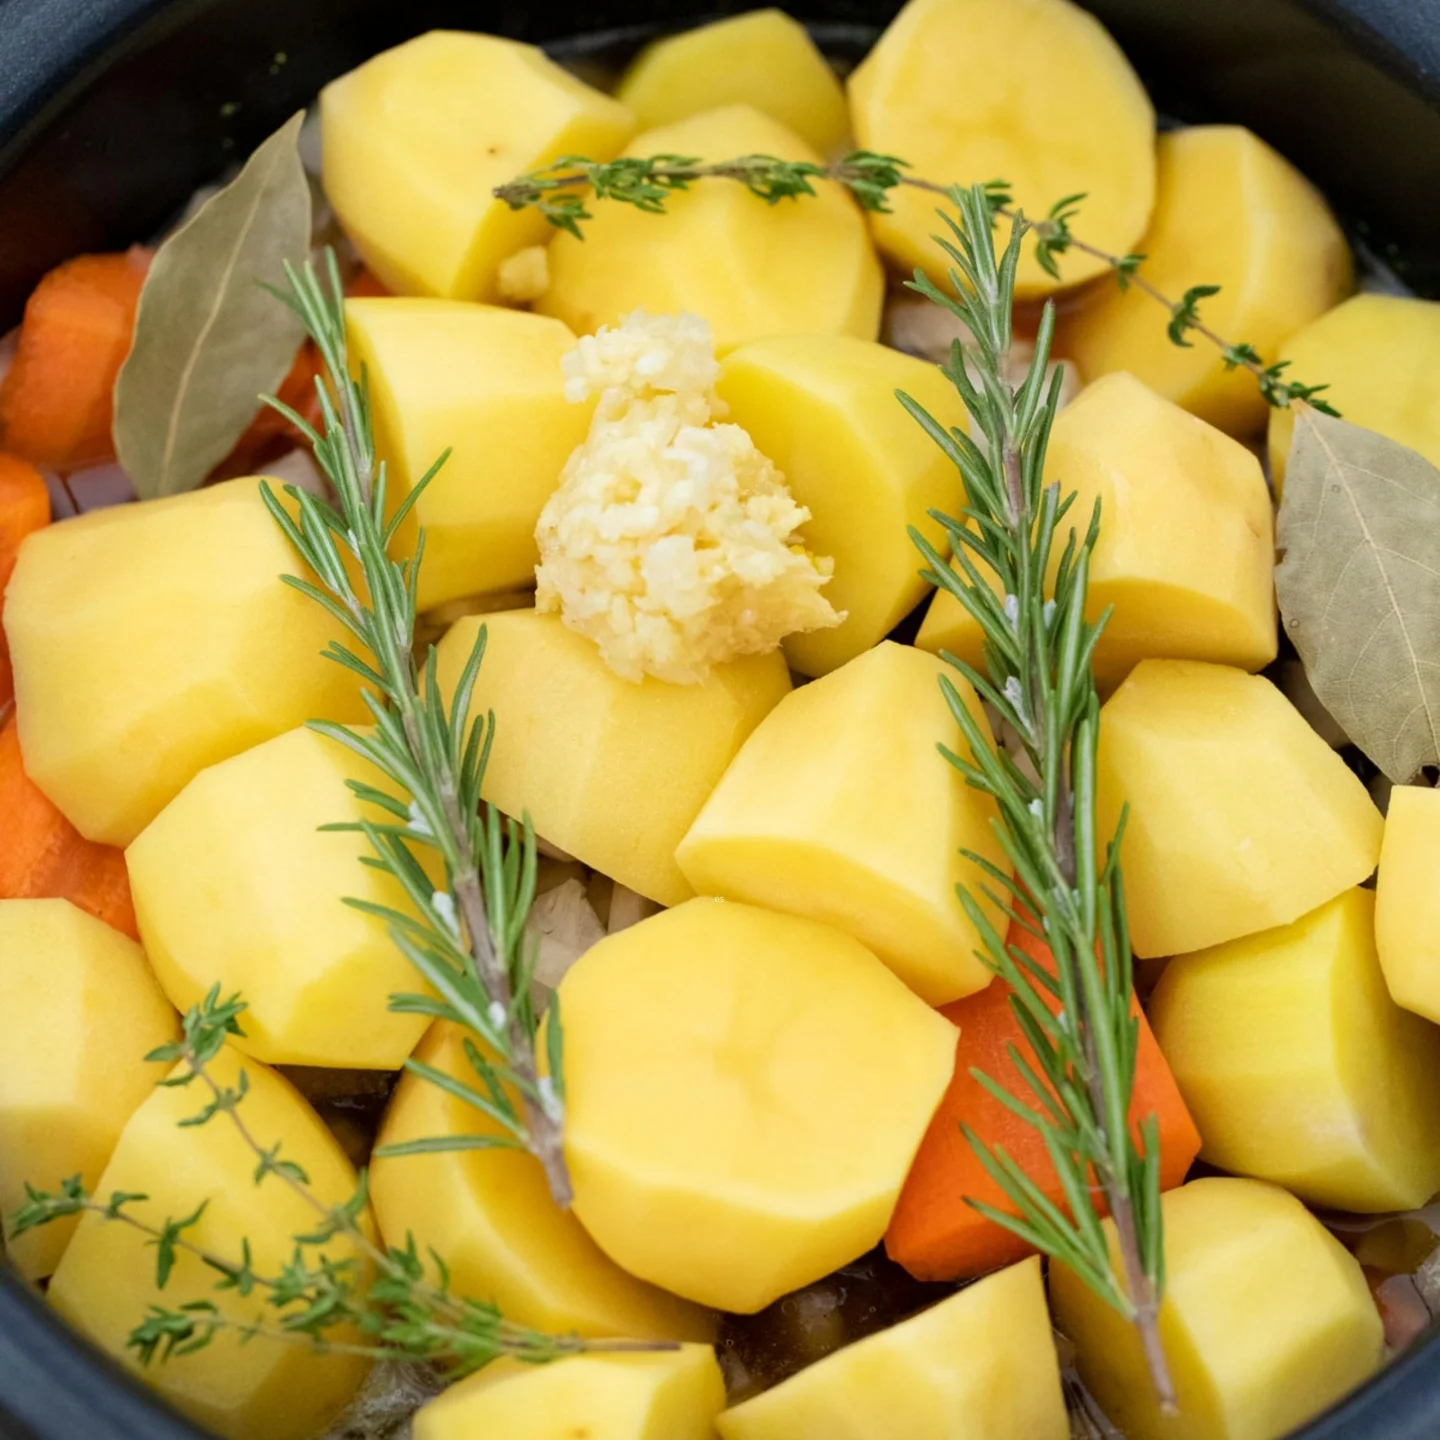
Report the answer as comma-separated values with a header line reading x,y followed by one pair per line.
x,y
558,191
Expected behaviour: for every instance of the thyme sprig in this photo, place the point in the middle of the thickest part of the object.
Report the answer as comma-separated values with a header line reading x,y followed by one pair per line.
x,y
466,934
1077,1020
558,192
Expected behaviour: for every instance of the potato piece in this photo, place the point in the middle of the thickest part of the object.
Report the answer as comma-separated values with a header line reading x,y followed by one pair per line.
x,y
240,1388
1407,900
1267,1319
823,408
664,1395
1298,1066
1187,536
417,138
612,772
746,1091
1375,354
905,1383
79,1010
878,856
967,90
761,58
152,640
1230,790
489,1213
484,383
235,884
805,267
1230,212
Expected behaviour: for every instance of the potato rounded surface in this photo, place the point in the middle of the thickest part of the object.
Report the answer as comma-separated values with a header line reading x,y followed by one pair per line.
x,y
1298,1066
665,1395
1186,551
878,856
1231,212
416,139
803,267
79,1011
240,1388
1267,1320
745,1092
1035,91
761,58
904,1383
489,1213
236,884
1407,900
823,408
152,640
612,772
1229,787
485,384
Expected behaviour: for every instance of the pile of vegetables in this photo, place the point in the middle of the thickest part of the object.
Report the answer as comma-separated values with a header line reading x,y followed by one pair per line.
x,y
763,809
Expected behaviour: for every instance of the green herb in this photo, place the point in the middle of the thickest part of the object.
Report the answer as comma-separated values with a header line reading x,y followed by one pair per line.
x,y
466,936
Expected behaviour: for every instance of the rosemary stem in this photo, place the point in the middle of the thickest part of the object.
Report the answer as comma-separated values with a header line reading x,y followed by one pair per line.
x,y
1142,1297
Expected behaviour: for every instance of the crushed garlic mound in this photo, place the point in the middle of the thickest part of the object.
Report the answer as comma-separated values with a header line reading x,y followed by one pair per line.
x,y
671,540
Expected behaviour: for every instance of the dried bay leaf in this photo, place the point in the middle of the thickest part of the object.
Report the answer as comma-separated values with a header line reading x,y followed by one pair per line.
x,y
208,339
1359,586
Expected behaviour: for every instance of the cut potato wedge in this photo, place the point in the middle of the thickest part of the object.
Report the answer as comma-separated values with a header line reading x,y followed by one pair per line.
x,y
1407,900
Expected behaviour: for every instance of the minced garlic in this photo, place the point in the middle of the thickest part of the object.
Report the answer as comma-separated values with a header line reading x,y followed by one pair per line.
x,y
671,541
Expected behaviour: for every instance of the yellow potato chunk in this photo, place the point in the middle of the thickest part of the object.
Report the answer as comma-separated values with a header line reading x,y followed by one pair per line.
x,y
416,140
79,1010
1267,1319
905,1383
236,884
1241,817
803,267
1298,1066
1035,91
241,1388
152,640
484,383
489,1213
1230,212
1187,536
611,771
664,1395
823,408
761,58
1407,900
746,1091
877,856
1376,354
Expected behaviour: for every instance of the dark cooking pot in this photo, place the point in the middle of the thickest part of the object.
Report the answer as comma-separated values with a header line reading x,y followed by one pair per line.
x,y
113,111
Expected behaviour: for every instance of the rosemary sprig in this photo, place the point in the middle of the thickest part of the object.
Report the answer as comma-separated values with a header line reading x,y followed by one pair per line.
x,y
466,936
558,192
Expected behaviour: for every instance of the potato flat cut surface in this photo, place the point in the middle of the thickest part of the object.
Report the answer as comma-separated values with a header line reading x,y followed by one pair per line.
x,y
1407,900
746,1091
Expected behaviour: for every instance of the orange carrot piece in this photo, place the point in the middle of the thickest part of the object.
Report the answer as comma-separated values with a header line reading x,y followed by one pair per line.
x,y
24,506
364,286
934,1234
56,402
43,856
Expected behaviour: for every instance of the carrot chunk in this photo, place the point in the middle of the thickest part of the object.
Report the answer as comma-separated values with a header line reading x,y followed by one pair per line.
x,y
24,506
934,1234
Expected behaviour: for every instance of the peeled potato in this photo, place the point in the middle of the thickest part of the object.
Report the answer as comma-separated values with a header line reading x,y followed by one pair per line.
x,y
823,408
762,58
79,1011
1034,92
1230,212
1229,788
1267,1320
239,1387
484,383
745,1092
1407,900
800,267
416,139
611,772
152,640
